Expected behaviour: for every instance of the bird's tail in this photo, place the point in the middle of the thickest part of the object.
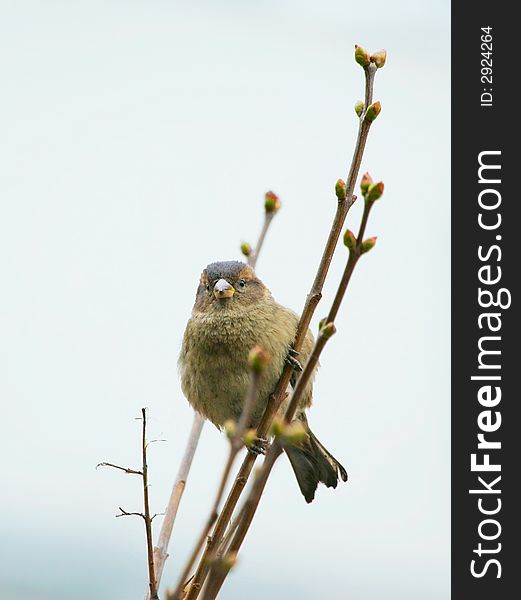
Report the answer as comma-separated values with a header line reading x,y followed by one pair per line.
x,y
312,464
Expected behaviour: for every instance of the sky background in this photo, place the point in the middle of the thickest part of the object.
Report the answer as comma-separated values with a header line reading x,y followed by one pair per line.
x,y
138,139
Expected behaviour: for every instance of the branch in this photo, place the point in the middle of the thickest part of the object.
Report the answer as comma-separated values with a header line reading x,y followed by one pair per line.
x,y
346,199
252,259
125,513
257,361
125,469
146,503
271,207
148,520
161,550
218,575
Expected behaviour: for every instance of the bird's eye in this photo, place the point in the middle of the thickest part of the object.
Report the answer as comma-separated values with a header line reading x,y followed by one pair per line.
x,y
207,288
242,283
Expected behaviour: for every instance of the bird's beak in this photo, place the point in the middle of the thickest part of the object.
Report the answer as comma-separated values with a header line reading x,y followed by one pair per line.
x,y
222,289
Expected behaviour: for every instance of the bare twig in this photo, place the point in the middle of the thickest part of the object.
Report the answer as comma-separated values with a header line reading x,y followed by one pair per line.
x,y
271,207
125,469
146,503
252,258
312,300
148,520
125,513
349,268
161,550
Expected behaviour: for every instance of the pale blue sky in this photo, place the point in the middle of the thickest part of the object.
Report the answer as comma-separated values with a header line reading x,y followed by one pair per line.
x,y
138,141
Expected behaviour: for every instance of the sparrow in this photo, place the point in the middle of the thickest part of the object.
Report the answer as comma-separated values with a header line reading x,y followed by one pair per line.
x,y
233,312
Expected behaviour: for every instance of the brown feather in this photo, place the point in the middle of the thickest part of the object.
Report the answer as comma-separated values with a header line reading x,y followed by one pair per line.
x,y
214,361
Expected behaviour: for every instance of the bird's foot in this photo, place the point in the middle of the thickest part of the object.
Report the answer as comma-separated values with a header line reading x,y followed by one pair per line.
x,y
259,446
292,361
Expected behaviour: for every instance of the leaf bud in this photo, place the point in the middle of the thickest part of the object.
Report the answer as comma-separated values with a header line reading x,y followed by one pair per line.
x,y
366,181
349,240
328,330
362,56
367,245
373,111
258,358
340,189
271,202
246,249
378,58
375,191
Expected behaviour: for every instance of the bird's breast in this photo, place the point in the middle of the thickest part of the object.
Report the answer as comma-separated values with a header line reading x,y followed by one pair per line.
x,y
228,331
214,362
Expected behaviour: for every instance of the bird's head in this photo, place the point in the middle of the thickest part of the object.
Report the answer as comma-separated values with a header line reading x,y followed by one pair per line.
x,y
229,285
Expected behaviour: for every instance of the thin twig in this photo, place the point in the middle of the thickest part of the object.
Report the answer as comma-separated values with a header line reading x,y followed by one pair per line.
x,y
252,258
146,501
125,469
312,300
125,513
348,271
161,550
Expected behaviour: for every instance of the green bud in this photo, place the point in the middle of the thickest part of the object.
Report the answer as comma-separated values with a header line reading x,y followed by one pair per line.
x,y
292,433
246,249
230,428
250,437
340,189
367,245
295,432
258,359
224,564
375,191
328,330
228,561
361,56
373,111
271,202
349,240
366,181
277,427
359,108
378,58
321,323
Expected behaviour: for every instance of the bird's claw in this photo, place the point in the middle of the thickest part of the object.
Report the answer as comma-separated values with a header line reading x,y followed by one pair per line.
x,y
259,446
291,359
